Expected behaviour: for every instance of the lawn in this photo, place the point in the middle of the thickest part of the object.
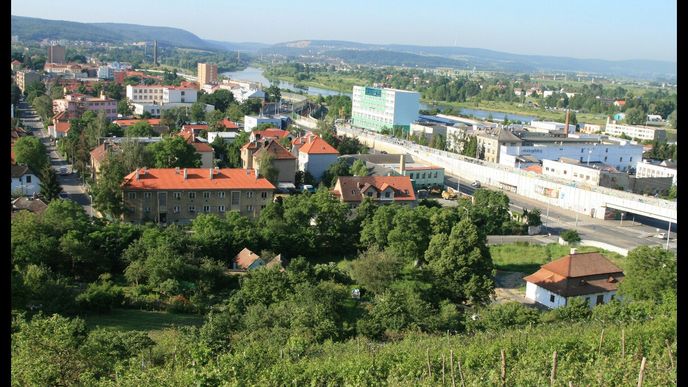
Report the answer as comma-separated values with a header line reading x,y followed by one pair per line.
x,y
527,258
141,320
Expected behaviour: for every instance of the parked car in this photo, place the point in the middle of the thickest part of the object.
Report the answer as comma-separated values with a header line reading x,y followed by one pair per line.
x,y
64,195
308,188
63,171
475,184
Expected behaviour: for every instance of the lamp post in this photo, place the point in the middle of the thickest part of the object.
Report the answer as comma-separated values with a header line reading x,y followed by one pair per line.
x,y
668,235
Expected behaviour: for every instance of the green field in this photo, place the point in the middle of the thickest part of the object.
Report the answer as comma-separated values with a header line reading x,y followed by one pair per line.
x,y
141,320
527,258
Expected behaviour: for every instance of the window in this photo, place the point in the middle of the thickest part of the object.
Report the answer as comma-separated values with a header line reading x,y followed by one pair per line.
x,y
146,195
249,194
411,175
263,206
178,195
206,208
582,150
423,175
605,159
370,194
631,159
612,297
606,150
132,195
620,159
581,159
551,298
206,195
264,195
146,209
192,195
600,299
249,208
221,195
192,209
221,208
176,209
387,194
435,174
587,300
28,179
235,197
565,171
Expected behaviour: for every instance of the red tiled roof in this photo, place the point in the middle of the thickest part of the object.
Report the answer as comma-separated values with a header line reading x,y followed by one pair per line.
x,y
534,168
197,178
352,186
229,124
124,123
62,126
98,153
318,146
245,258
423,168
272,132
275,149
188,127
303,139
16,62
13,158
202,147
580,265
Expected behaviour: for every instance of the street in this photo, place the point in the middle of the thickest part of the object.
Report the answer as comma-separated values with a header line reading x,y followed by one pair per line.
x,y
71,183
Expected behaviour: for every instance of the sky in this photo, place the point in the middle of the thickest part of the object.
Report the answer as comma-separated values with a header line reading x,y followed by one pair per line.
x,y
600,29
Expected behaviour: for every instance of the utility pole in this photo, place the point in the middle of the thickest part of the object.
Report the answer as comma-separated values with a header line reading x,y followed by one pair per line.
x,y
668,235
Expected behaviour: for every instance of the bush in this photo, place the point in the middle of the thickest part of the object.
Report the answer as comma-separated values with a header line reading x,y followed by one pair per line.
x,y
576,309
570,236
180,304
500,316
100,296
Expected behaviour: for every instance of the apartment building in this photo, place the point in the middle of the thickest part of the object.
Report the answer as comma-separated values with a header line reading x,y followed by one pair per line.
x,y
376,109
174,195
25,78
56,54
639,132
77,104
207,74
656,168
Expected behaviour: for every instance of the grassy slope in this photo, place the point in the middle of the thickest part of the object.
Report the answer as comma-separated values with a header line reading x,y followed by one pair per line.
x,y
141,320
527,258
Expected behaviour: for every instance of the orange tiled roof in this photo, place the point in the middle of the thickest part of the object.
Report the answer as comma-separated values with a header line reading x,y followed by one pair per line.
x,y
197,178
534,168
318,146
123,123
98,153
580,265
352,186
245,258
62,126
272,132
229,124
189,127
202,147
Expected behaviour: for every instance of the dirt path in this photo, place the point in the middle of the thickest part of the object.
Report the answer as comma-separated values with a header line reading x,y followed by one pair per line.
x,y
507,287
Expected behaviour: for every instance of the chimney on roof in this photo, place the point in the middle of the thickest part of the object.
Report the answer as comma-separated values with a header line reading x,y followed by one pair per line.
x,y
137,174
185,174
573,251
176,171
211,173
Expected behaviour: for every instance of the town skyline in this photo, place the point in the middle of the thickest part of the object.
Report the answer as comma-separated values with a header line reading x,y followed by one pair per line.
x,y
602,33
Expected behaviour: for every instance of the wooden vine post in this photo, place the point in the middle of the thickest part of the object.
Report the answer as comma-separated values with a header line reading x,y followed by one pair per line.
x,y
553,375
427,359
451,367
443,369
623,342
641,373
503,368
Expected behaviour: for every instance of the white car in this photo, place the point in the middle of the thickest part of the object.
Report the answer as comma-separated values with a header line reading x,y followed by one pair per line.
x,y
475,184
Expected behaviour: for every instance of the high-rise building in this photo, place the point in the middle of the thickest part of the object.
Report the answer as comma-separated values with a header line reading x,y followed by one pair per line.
x,y
207,73
56,54
376,109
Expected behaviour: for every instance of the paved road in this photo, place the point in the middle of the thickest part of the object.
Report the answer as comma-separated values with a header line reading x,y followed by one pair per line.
x,y
70,183
626,233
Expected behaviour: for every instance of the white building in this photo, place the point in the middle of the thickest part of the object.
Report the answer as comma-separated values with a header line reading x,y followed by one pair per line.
x,y
546,126
575,171
105,72
374,108
24,181
589,276
591,128
251,122
227,137
145,94
155,109
653,168
640,132
316,156
620,156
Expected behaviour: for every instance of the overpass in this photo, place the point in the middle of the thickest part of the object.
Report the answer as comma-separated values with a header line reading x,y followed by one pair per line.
x,y
593,201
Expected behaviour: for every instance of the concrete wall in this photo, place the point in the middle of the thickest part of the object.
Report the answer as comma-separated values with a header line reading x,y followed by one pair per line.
x,y
543,296
590,201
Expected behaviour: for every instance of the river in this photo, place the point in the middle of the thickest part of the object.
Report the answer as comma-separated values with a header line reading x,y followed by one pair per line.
x,y
255,74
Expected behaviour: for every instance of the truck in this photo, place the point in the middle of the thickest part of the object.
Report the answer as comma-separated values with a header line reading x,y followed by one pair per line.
x,y
449,194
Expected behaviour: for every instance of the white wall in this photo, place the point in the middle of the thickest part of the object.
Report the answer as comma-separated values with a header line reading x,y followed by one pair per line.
x,y
543,296
406,107
622,157
315,164
21,187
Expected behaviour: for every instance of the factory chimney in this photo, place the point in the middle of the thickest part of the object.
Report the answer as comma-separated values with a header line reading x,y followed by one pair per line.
x,y
566,127
402,165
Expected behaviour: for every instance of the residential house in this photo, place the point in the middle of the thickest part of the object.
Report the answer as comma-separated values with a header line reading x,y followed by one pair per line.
x,y
25,78
283,160
153,122
298,142
114,145
270,133
16,65
382,189
316,156
586,275
25,182
251,122
227,137
247,260
174,195
492,140
31,204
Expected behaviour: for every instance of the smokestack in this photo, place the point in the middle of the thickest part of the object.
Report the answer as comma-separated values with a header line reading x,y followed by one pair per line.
x,y
185,174
402,164
566,128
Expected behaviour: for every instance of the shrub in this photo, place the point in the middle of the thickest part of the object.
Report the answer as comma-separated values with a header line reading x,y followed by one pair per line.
x,y
100,296
576,309
570,236
500,316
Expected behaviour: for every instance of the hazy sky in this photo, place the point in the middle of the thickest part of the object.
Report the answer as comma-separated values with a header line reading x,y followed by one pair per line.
x,y
603,29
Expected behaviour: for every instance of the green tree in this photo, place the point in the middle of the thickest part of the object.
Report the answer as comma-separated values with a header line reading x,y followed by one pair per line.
x,y
197,113
30,150
125,108
266,167
139,129
338,168
375,270
359,168
635,116
470,147
107,191
50,187
462,264
570,236
174,152
44,107
649,272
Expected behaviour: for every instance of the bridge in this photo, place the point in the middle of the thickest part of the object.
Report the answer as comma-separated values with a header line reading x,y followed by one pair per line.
x,y
593,201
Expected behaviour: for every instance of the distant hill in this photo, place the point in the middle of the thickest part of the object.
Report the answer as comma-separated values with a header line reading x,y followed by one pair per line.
x,y
28,28
462,57
250,47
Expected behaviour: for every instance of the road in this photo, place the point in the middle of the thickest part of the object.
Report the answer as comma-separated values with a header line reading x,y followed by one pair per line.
x,y
70,183
626,234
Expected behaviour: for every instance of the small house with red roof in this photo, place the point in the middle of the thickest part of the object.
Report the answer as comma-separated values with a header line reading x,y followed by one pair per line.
x,y
247,260
587,275
282,160
381,189
271,133
316,156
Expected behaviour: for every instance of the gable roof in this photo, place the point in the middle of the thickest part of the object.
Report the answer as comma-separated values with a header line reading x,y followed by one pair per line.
x,y
318,146
229,124
581,265
271,132
62,126
352,186
202,147
26,203
246,258
197,178
21,170
124,123
98,153
276,150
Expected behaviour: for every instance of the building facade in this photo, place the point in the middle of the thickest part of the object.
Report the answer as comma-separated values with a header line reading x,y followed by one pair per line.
x,y
316,156
170,195
56,54
376,109
621,156
77,104
24,181
207,74
639,132
381,189
25,78
652,168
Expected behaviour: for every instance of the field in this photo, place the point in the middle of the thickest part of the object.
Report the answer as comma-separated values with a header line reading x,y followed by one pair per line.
x,y
527,258
141,320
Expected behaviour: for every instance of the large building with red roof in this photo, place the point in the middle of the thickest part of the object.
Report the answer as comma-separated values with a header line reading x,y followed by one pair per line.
x,y
316,156
587,275
381,189
177,195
